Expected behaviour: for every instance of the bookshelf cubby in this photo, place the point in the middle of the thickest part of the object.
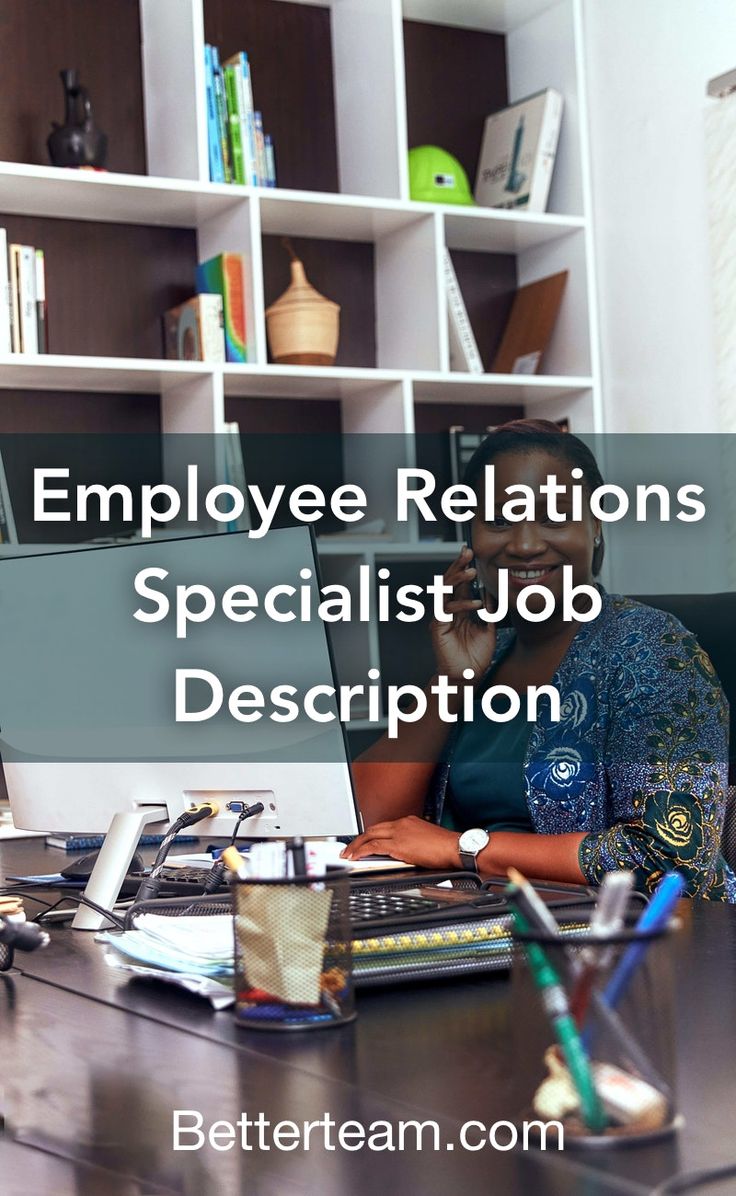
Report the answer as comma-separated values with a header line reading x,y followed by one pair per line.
x,y
454,78
100,306
298,36
40,37
488,283
344,272
346,87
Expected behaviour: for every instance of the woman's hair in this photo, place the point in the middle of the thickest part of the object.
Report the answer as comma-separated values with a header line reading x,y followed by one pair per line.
x,y
525,436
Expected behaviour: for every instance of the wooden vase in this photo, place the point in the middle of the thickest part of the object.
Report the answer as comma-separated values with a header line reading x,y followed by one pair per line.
x,y
303,326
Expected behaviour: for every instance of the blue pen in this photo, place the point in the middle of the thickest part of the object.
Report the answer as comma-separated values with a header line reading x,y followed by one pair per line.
x,y
655,917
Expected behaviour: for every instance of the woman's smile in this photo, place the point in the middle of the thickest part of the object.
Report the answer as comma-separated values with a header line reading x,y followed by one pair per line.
x,y
520,576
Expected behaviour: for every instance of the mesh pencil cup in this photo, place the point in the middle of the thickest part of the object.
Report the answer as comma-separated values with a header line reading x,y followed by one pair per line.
x,y
593,1034
293,953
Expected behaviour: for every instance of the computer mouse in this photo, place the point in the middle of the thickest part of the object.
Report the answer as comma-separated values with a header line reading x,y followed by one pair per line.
x,y
81,869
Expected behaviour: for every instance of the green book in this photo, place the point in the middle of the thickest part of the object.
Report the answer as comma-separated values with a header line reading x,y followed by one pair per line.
x,y
221,109
234,124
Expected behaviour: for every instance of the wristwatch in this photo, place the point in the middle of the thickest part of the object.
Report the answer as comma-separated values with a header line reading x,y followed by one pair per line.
x,y
470,845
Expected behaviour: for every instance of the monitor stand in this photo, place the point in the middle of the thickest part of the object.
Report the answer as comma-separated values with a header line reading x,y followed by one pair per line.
x,y
113,863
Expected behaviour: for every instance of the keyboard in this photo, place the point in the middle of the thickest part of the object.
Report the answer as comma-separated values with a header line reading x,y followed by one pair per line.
x,y
372,904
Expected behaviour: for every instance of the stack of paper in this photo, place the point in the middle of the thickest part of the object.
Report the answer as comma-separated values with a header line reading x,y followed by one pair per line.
x,y
199,945
195,953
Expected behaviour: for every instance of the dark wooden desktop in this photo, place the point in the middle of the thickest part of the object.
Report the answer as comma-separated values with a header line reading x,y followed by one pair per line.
x,y
92,1067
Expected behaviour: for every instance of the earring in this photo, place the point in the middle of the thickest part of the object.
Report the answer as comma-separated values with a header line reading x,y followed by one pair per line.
x,y
597,542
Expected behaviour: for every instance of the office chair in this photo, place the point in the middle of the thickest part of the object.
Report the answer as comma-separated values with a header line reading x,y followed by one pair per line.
x,y
712,620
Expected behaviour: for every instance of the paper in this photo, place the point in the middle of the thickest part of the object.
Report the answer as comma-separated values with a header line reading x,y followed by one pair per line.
x,y
218,995
281,935
324,853
9,831
195,945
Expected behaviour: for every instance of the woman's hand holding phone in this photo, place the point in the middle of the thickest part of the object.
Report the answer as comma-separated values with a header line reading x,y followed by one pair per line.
x,y
465,642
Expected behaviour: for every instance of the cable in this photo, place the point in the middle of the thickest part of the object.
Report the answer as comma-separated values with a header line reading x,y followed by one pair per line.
x,y
217,871
99,909
694,1179
27,894
148,888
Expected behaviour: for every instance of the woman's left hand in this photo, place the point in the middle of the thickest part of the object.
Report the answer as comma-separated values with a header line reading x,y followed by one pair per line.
x,y
411,839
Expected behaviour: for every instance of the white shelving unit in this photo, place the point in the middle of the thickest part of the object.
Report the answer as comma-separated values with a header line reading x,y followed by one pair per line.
x,y
544,47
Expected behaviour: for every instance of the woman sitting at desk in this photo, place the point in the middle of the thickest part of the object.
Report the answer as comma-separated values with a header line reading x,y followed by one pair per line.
x,y
632,776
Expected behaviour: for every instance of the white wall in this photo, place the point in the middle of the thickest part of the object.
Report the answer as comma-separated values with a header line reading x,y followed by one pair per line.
x,y
647,64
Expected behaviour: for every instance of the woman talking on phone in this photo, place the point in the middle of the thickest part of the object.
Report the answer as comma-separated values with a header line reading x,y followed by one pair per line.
x,y
634,773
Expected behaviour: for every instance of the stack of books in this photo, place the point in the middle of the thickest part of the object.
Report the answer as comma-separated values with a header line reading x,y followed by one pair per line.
x,y
22,298
239,150
211,326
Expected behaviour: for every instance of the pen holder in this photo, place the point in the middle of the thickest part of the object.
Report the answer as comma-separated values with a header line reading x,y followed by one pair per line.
x,y
293,953
596,1051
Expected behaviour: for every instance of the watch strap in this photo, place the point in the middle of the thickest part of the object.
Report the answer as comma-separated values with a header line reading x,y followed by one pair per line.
x,y
469,860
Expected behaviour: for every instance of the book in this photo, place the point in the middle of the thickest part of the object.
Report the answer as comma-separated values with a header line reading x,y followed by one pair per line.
x,y
217,170
270,161
235,124
221,113
464,355
235,474
41,320
28,318
23,299
530,325
241,66
225,275
261,163
462,446
14,260
8,533
72,842
517,153
194,331
6,310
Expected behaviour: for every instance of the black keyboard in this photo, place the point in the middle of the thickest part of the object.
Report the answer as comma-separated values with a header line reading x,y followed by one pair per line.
x,y
366,905
175,882
186,881
372,905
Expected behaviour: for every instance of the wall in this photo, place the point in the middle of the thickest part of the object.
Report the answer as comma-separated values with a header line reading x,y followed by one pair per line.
x,y
647,66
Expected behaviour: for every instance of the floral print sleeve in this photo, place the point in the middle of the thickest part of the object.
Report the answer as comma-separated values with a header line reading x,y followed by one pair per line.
x,y
666,767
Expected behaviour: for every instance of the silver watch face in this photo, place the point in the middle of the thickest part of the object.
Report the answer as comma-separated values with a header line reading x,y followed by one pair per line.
x,y
473,840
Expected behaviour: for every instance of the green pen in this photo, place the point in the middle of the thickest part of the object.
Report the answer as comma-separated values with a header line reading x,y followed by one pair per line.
x,y
558,1010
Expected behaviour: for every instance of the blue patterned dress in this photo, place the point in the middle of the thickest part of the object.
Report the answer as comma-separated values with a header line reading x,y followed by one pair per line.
x,y
639,758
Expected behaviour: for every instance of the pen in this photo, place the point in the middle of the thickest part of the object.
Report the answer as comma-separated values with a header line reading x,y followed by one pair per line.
x,y
535,909
235,862
606,920
655,917
556,1006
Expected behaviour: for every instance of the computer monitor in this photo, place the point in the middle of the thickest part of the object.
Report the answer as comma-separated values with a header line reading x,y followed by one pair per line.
x,y
88,730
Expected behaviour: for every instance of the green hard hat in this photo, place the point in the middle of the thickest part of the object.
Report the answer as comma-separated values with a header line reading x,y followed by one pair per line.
x,y
436,177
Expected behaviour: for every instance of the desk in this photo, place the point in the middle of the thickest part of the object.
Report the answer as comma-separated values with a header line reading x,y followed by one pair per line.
x,y
93,1065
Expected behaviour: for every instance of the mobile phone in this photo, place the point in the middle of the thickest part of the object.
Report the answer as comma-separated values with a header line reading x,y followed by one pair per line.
x,y
476,589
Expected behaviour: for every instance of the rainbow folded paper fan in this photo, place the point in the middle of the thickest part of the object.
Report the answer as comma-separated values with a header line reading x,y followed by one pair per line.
x,y
225,275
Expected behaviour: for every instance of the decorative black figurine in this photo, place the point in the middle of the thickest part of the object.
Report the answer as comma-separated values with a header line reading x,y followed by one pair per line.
x,y
77,142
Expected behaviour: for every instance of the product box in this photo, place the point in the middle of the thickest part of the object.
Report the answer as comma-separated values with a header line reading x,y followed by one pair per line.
x,y
517,153
194,330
